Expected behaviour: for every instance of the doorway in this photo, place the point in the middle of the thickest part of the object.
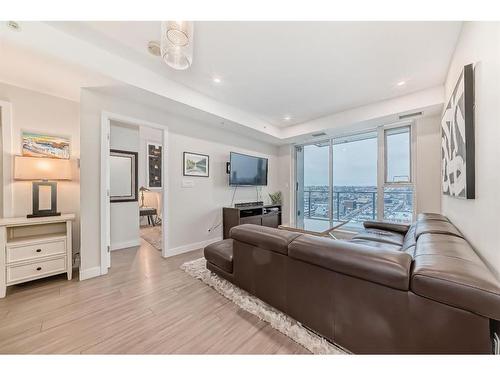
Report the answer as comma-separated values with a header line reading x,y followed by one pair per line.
x,y
133,185
6,197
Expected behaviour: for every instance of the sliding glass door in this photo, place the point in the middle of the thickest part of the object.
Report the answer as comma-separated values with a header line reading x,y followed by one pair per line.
x,y
313,191
355,178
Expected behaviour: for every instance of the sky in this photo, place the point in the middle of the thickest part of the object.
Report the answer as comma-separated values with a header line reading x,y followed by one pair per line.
x,y
355,163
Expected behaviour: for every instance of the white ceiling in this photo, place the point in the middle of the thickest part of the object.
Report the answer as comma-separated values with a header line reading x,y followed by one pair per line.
x,y
24,67
303,69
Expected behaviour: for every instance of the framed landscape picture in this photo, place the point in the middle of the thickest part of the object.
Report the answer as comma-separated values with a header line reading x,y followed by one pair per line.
x,y
196,165
45,146
457,139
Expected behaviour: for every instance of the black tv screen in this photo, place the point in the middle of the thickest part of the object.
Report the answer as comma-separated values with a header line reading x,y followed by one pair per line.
x,y
246,170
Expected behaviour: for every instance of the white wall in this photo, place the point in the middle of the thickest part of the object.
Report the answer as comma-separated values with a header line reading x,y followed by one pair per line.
x,y
191,211
124,216
428,164
479,219
45,114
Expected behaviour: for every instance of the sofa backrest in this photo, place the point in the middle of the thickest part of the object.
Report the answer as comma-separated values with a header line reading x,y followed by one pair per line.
x,y
447,269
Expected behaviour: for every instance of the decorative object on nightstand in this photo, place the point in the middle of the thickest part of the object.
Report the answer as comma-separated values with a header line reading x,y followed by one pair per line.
x,y
34,248
40,171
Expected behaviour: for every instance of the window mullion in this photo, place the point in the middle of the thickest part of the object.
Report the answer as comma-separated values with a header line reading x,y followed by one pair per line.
x,y
380,172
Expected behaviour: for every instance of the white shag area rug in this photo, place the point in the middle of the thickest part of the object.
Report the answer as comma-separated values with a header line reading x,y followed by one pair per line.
x,y
283,323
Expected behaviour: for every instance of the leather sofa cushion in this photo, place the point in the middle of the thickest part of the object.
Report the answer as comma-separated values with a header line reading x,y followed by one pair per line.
x,y
379,235
410,239
271,239
221,254
436,227
447,269
387,226
376,244
386,267
431,216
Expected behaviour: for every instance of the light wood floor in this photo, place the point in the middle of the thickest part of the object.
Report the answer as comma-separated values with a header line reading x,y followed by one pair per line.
x,y
145,304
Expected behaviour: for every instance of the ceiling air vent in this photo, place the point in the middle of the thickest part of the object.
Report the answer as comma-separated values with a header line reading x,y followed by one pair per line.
x,y
321,134
408,115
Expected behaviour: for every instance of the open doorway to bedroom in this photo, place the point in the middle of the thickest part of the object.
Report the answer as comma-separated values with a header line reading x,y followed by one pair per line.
x,y
133,168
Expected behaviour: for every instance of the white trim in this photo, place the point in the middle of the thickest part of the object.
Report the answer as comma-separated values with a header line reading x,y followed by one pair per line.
x,y
106,118
126,244
8,151
165,202
104,196
190,247
90,273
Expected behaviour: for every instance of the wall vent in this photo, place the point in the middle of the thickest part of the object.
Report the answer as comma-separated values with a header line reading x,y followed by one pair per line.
x,y
321,134
414,114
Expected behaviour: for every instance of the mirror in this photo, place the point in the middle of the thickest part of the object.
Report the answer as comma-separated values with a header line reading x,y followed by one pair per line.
x,y
123,176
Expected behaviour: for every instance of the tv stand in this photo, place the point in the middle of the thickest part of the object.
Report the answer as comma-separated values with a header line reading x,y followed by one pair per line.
x,y
265,215
249,204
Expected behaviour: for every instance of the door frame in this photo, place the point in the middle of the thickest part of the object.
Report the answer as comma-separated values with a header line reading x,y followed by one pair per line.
x,y
105,206
7,159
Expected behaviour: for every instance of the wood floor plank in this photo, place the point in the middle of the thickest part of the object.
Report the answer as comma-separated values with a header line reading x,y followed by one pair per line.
x,y
145,304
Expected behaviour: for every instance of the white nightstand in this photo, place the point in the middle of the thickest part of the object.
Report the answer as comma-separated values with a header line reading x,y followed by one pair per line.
x,y
34,248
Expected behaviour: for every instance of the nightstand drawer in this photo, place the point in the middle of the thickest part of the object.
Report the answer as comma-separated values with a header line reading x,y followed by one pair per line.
x,y
34,251
35,270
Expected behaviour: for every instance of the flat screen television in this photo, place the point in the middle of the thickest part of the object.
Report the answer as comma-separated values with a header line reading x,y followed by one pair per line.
x,y
246,170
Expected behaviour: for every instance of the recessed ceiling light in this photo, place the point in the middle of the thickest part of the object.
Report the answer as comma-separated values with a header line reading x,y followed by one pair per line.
x,y
401,83
216,80
154,48
13,25
287,118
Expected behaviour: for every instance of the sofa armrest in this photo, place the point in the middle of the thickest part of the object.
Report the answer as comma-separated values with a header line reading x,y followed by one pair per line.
x,y
384,225
387,267
271,239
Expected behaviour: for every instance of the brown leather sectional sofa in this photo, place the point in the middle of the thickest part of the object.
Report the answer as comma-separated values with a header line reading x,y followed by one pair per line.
x,y
391,289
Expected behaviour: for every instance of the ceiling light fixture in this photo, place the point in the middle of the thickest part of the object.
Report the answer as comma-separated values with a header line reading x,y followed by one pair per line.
x,y
401,83
287,118
177,43
216,80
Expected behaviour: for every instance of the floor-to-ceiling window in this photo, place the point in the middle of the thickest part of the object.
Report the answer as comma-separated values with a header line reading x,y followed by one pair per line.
x,y
354,169
355,178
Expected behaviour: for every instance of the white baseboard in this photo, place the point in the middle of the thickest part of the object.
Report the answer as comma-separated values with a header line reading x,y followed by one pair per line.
x,y
125,245
90,273
190,247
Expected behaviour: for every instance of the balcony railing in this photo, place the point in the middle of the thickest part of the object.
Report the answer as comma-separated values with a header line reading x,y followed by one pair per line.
x,y
358,206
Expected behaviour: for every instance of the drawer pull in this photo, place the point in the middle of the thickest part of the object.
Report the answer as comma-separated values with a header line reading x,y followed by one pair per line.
x,y
39,268
38,250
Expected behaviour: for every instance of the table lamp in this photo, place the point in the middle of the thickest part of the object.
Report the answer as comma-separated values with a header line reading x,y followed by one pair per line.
x,y
40,171
142,189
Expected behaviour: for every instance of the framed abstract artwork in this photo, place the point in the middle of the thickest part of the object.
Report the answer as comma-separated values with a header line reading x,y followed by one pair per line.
x,y
45,146
457,139
196,165
153,168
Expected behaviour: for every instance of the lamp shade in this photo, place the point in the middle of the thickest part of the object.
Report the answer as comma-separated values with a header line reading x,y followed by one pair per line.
x,y
31,168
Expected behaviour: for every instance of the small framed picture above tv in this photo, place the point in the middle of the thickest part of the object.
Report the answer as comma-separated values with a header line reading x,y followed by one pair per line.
x,y
247,170
196,165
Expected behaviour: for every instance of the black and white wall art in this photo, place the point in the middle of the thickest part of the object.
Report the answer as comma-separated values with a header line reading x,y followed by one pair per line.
x,y
457,139
154,156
